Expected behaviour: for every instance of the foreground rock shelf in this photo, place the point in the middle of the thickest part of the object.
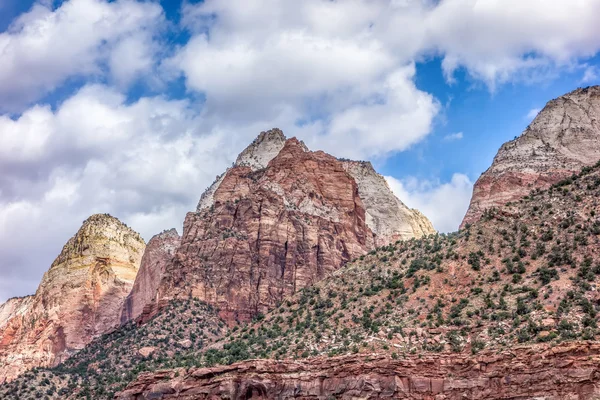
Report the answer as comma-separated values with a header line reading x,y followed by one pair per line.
x,y
566,371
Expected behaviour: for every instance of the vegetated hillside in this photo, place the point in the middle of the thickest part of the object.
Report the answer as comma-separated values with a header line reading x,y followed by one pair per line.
x,y
171,339
525,273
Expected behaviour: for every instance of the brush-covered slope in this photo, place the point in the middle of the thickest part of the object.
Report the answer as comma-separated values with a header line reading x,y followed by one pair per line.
x,y
173,338
79,298
563,138
507,308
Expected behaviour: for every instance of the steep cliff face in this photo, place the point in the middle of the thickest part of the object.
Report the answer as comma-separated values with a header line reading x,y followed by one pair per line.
x,y
269,232
13,308
158,254
564,137
79,297
280,219
387,217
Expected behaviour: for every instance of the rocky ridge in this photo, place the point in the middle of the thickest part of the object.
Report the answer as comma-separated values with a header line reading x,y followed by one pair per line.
x,y
158,254
563,138
281,218
79,298
387,217
565,371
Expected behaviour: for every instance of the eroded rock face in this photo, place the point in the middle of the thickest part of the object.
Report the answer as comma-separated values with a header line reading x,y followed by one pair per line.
x,y
564,371
270,232
386,215
79,297
158,254
281,218
563,138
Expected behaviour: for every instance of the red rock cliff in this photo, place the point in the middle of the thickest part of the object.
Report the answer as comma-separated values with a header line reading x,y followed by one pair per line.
x,y
566,371
562,139
280,219
79,298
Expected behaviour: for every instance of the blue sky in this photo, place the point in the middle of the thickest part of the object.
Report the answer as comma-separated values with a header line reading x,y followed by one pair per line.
x,y
132,107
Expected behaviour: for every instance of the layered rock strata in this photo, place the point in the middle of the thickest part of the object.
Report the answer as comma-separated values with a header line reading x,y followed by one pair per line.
x,y
281,218
564,371
79,298
563,138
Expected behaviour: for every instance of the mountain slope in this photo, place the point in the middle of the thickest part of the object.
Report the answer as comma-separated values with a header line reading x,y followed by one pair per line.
x,y
79,298
563,138
509,307
280,219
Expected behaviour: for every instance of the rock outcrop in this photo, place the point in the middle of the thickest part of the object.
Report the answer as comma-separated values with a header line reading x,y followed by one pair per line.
x,y
281,218
563,138
158,254
387,217
565,371
79,297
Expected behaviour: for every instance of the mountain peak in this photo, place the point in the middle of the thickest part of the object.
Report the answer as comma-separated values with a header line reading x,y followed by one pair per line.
x,y
563,138
262,150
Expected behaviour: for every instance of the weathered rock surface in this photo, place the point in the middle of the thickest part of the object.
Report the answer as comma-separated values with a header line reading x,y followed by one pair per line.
x,y
79,297
158,254
565,371
563,138
13,307
270,232
281,218
387,217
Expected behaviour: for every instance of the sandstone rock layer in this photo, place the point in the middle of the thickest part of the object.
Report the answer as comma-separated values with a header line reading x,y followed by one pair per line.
x,y
281,218
563,138
566,371
79,298
158,254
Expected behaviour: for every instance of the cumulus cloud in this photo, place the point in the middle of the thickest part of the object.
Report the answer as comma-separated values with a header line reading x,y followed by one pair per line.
x,y
44,47
146,163
339,75
445,204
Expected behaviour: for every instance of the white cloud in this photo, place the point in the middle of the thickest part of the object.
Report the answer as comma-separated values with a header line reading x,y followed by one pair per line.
x,y
445,204
453,136
146,163
44,47
590,74
533,113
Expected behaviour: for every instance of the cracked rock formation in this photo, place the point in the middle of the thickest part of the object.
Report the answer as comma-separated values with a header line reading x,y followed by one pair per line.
x,y
281,218
79,298
387,217
563,138
564,371
159,252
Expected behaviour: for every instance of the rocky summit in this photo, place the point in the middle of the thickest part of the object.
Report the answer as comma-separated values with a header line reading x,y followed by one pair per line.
x,y
79,298
563,138
282,218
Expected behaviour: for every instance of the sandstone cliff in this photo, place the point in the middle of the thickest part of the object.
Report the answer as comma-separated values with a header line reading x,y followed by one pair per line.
x,y
564,137
281,218
158,254
79,297
566,371
387,217
269,232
